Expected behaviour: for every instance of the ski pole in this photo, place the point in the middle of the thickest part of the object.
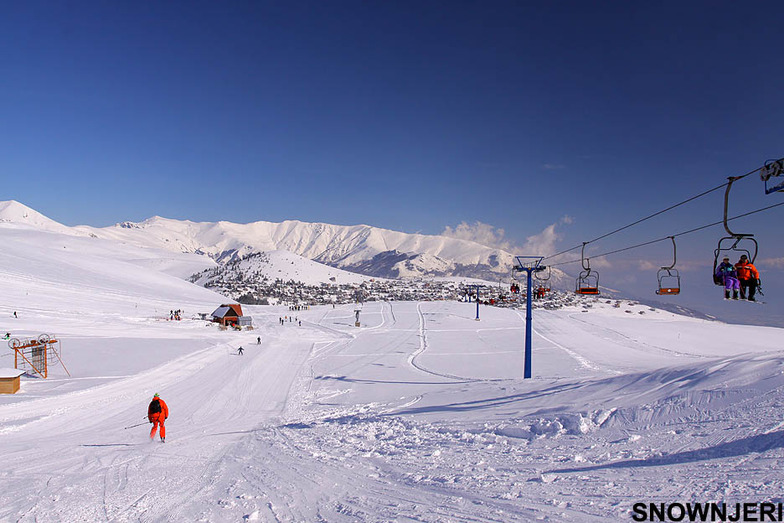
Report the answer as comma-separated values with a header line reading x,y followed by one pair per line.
x,y
137,425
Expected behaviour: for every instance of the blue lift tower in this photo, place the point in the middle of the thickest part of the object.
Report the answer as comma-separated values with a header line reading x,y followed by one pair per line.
x,y
529,265
476,288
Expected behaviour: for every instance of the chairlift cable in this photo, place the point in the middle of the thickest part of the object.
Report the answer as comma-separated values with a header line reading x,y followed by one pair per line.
x,y
672,235
736,178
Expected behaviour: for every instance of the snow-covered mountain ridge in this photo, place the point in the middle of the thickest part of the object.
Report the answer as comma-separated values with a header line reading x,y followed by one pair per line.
x,y
357,248
362,249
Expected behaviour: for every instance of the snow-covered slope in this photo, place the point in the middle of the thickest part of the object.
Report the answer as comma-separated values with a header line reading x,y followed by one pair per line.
x,y
13,212
420,414
284,266
43,270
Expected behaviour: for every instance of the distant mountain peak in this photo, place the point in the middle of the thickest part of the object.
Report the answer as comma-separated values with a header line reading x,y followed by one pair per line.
x,y
11,211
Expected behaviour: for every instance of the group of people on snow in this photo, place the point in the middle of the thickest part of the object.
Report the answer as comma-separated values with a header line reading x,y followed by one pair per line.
x,y
741,278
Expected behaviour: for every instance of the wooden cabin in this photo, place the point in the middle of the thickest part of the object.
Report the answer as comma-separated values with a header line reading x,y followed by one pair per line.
x,y
228,314
10,380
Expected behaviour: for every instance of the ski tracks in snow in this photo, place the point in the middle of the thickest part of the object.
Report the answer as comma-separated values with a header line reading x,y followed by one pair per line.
x,y
412,359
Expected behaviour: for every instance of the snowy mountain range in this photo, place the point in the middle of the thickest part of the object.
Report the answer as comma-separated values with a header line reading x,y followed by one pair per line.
x,y
361,249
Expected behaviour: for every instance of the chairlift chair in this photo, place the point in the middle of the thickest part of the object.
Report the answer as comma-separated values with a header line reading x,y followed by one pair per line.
x,y
588,280
740,243
668,277
749,248
588,283
543,281
669,282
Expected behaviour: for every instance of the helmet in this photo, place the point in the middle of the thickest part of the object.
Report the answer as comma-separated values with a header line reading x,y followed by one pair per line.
x,y
744,257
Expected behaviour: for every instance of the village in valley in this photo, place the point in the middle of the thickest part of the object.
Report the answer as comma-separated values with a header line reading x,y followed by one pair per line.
x,y
256,288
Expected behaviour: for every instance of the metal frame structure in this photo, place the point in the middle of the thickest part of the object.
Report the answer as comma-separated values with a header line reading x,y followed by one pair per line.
x,y
544,283
475,286
733,237
772,169
669,274
529,265
36,354
587,281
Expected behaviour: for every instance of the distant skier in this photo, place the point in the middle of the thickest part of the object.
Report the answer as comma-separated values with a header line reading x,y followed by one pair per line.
x,y
240,351
157,413
258,340
15,316
727,274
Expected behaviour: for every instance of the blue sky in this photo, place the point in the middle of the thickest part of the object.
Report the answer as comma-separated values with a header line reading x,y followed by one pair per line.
x,y
412,116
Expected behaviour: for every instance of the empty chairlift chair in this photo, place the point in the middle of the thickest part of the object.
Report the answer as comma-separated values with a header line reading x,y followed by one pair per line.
x,y
668,277
588,280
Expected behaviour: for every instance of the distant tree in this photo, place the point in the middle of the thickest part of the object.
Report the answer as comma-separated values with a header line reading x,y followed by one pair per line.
x,y
249,299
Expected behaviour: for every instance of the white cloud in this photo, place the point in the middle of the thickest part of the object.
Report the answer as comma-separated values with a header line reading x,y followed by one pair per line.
x,y
481,233
542,244
600,263
645,265
772,263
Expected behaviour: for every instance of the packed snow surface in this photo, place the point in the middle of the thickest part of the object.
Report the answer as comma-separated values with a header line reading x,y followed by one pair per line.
x,y
419,414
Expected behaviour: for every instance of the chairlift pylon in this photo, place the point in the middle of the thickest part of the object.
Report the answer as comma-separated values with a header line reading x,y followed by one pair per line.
x,y
668,277
732,242
588,280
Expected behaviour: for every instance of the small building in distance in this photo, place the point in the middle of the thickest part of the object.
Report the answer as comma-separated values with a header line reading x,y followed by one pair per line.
x,y
10,380
231,314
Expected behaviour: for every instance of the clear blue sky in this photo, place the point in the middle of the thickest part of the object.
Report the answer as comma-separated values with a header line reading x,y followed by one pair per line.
x,y
407,115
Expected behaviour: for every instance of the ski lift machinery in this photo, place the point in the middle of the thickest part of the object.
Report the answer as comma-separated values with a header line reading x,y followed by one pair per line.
x,y
668,277
588,280
773,169
738,243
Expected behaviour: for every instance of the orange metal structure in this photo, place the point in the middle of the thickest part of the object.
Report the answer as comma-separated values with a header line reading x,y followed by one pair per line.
x,y
36,354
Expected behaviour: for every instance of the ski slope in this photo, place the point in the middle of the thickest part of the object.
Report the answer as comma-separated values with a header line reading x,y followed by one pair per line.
x,y
420,414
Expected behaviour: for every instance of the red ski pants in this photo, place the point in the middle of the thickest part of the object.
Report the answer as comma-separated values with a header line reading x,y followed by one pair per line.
x,y
157,419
